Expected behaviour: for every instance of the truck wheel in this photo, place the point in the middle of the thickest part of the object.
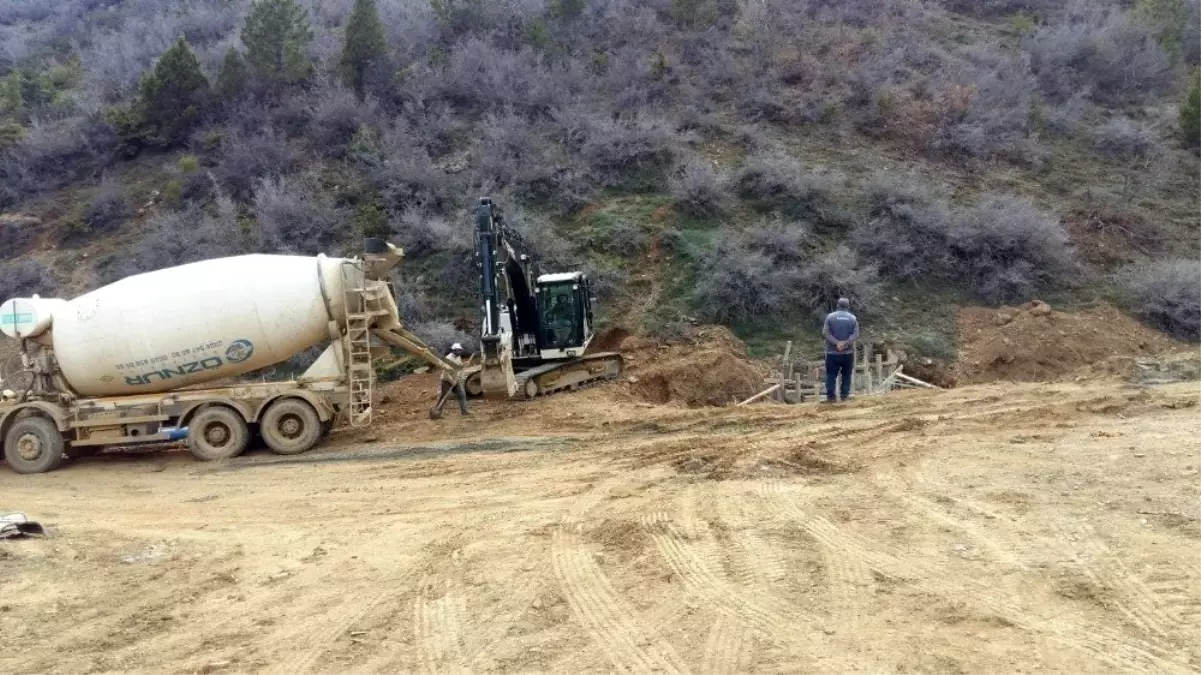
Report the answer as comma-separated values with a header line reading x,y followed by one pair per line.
x,y
217,433
291,427
33,445
474,385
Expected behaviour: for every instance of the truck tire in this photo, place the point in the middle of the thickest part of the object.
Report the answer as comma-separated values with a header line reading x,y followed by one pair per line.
x,y
291,426
33,445
217,433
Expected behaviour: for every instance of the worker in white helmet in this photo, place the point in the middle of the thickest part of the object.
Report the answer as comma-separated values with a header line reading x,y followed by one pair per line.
x,y
453,381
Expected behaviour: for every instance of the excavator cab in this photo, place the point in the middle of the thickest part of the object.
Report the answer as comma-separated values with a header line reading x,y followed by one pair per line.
x,y
565,314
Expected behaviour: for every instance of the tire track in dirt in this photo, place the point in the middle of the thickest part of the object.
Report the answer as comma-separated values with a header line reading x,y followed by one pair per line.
x,y
1180,596
319,642
1114,647
1152,608
438,627
1130,596
905,492
755,561
630,646
848,578
765,614
726,648
521,595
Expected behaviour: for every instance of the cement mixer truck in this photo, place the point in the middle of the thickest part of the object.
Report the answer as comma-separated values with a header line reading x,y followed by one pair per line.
x,y
141,359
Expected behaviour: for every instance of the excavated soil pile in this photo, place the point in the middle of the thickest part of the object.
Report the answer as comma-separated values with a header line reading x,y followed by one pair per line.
x,y
1034,343
710,368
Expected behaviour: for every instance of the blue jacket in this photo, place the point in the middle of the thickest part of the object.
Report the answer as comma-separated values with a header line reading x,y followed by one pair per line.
x,y
840,326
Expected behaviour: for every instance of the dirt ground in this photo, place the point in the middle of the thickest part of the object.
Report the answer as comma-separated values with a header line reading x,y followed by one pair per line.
x,y
994,528
1036,343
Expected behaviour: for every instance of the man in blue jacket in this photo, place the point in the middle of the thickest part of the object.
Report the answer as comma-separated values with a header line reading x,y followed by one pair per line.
x,y
841,330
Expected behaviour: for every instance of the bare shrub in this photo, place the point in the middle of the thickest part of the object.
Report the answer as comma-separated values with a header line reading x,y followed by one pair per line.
x,y
629,153
295,215
992,116
510,151
23,278
776,182
821,281
737,285
337,115
1102,49
15,237
1003,249
440,335
411,301
403,172
108,206
180,237
1001,8
1065,119
773,272
1166,294
789,242
623,238
1006,249
538,237
54,152
422,233
1124,139
696,189
480,77
245,159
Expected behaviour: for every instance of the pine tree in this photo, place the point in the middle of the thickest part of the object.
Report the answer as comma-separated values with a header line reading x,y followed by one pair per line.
x,y
365,47
12,99
231,80
172,97
277,34
1190,112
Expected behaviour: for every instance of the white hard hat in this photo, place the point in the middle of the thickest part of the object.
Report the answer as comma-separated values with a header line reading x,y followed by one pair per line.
x,y
456,346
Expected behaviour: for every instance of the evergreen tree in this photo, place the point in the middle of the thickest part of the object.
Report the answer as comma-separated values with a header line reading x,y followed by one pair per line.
x,y
172,97
277,34
1190,112
365,48
231,81
12,98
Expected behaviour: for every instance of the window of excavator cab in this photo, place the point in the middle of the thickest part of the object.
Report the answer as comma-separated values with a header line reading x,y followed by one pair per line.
x,y
557,304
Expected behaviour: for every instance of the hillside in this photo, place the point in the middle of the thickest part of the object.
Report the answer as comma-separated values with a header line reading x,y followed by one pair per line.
x,y
707,161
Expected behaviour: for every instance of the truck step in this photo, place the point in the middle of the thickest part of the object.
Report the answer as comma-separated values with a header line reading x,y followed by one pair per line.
x,y
121,440
118,421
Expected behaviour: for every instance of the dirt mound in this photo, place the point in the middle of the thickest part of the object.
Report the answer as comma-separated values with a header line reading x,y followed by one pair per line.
x,y
710,368
1034,343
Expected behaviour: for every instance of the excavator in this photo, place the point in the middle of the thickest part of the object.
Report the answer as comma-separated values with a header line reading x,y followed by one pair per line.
x,y
536,328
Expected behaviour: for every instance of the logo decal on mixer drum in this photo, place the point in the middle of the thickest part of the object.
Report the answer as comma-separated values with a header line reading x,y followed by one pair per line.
x,y
239,351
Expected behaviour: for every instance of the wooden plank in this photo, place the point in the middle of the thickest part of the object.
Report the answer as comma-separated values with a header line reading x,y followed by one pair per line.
x,y
867,368
784,370
760,395
916,382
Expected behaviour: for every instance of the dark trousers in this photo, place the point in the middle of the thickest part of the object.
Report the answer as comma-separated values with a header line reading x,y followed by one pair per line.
x,y
446,386
839,365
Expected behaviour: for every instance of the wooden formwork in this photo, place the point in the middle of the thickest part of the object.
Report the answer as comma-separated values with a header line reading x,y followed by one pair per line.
x,y
877,371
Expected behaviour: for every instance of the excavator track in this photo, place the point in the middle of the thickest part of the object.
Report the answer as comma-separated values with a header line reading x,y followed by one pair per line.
x,y
569,375
553,378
